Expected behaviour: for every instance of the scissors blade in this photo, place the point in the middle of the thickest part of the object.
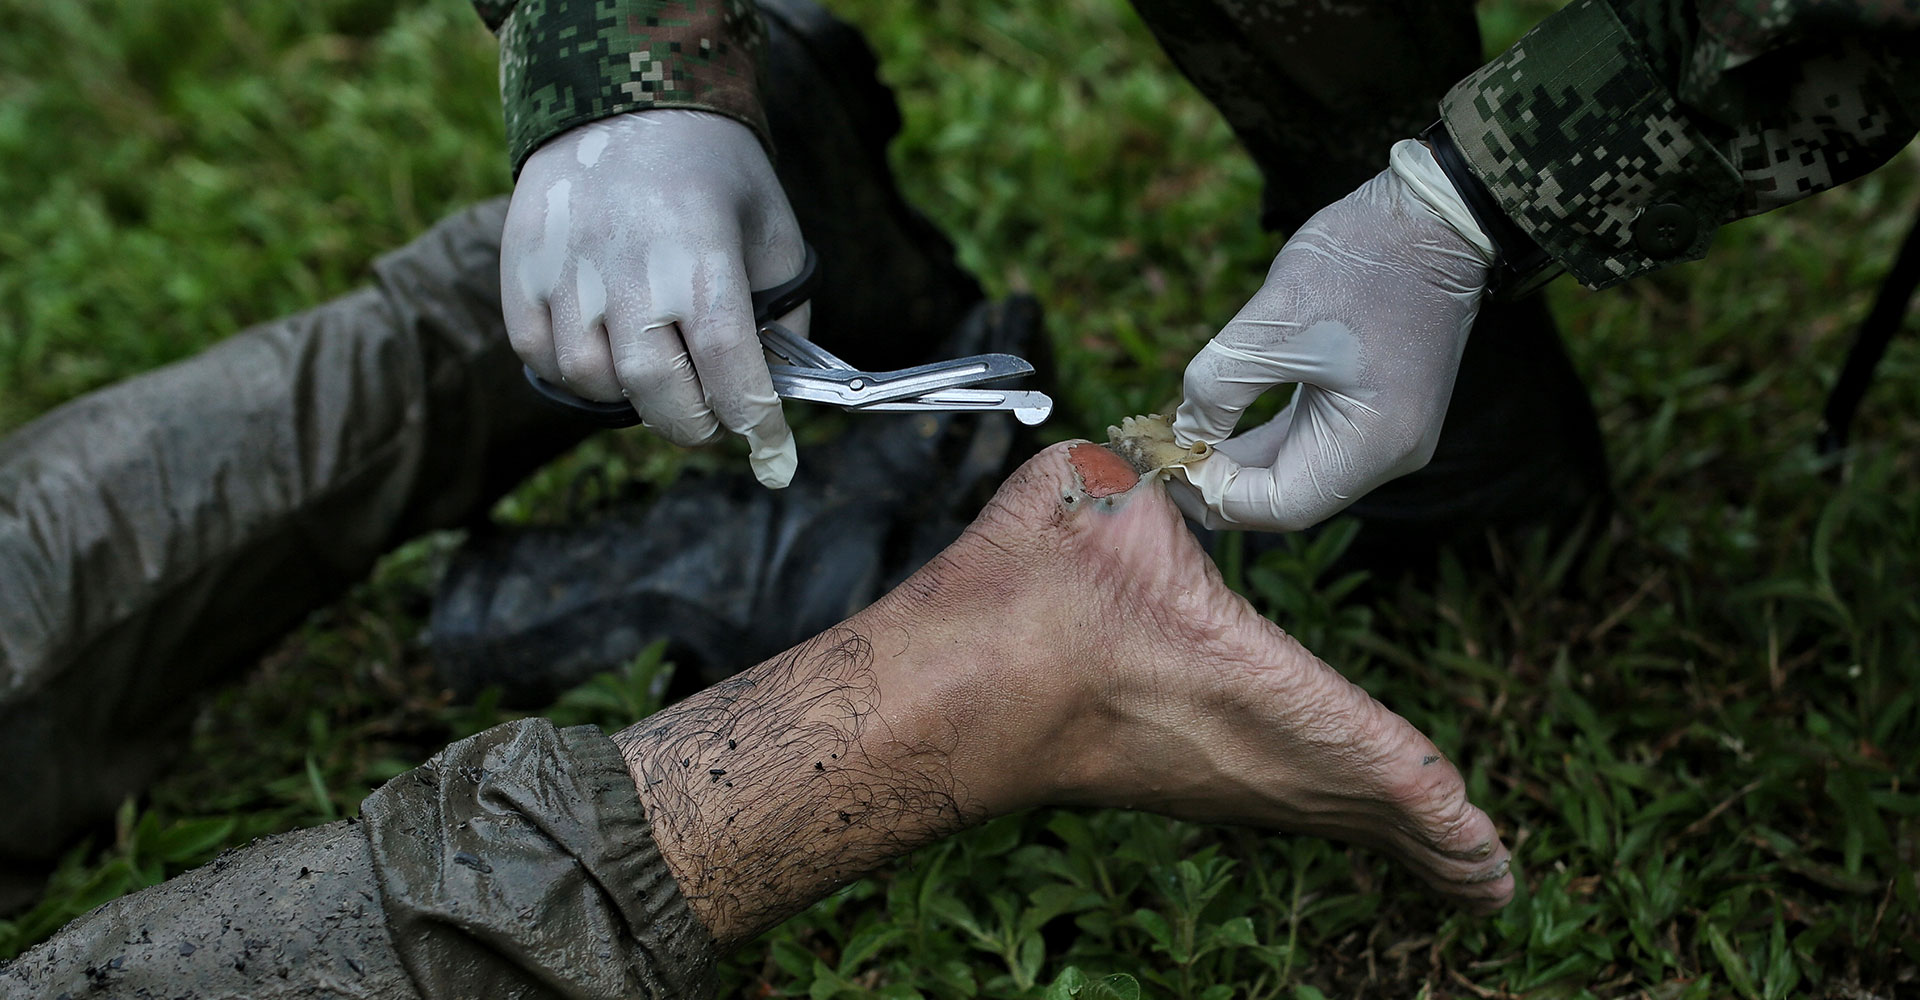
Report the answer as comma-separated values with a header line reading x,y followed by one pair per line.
x,y
860,389
1030,408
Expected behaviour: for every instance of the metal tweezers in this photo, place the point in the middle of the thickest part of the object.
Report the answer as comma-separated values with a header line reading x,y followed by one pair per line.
x,y
815,374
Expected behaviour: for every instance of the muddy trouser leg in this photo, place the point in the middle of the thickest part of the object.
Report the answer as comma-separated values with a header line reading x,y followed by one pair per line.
x,y
204,508
1317,94
516,864
157,535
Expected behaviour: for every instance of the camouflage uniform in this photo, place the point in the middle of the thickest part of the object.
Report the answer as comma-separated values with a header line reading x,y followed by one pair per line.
x,y
1619,135
1601,119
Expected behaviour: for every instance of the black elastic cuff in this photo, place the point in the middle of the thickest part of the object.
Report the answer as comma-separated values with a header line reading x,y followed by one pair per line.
x,y
1519,265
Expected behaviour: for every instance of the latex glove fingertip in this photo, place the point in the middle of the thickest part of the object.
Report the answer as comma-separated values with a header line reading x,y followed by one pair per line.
x,y
773,462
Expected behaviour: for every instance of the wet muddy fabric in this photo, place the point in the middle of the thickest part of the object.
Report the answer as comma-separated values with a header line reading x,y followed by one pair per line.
x,y
1693,113
159,534
516,865
296,915
519,864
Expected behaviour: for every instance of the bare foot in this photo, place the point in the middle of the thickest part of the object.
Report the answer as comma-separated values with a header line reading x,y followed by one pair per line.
x,y
1156,687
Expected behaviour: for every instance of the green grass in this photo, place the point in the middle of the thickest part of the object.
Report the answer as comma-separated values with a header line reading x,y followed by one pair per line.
x,y
1700,735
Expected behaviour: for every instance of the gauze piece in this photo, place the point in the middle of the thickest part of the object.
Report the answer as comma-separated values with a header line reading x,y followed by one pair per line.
x,y
1147,443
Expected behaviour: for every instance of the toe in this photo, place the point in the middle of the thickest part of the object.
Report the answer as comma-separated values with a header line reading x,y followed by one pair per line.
x,y
1452,843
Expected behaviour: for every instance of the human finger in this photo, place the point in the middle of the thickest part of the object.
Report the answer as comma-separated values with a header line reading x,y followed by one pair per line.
x,y
724,343
579,311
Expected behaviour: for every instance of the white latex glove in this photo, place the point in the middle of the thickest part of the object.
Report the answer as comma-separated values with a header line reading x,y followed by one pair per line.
x,y
631,250
1367,307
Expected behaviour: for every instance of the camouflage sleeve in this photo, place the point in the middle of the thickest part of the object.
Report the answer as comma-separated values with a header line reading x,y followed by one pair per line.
x,y
564,62
1621,135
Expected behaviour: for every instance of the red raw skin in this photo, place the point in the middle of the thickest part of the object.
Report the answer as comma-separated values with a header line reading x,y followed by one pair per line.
x,y
1102,473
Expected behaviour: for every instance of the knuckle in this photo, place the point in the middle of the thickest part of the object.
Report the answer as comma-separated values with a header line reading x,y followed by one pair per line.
x,y
581,368
642,376
731,348
688,428
528,338
1409,449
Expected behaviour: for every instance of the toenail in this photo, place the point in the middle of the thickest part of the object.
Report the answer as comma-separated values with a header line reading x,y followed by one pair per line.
x,y
1485,848
1493,874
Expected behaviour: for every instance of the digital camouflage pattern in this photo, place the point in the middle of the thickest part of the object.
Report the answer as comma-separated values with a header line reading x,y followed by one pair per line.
x,y
1605,112
1709,111
564,62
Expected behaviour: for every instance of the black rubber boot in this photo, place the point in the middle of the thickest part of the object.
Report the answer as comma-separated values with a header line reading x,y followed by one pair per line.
x,y
723,569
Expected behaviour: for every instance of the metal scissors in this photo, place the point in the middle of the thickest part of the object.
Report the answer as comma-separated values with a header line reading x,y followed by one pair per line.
x,y
815,374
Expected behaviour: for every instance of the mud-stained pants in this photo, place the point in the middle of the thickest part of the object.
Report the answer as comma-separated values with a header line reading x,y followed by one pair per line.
x,y
156,535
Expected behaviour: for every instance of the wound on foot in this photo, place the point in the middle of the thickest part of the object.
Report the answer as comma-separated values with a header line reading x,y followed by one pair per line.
x,y
1102,473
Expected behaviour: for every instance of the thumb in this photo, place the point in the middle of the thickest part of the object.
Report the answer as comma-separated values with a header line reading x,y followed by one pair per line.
x,y
1285,476
1238,496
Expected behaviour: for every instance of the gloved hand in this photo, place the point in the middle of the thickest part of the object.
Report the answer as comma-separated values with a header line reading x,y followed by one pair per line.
x,y
631,249
1367,307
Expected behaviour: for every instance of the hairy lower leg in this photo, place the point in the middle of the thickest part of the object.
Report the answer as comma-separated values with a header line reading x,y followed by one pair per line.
x,y
769,790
